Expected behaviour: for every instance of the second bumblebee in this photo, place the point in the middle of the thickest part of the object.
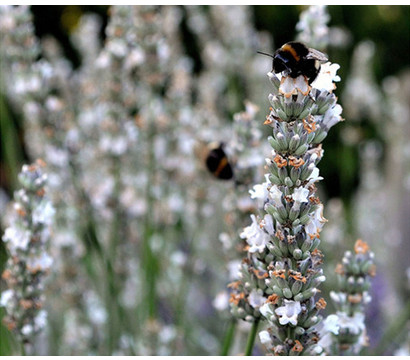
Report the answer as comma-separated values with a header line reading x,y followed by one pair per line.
x,y
217,162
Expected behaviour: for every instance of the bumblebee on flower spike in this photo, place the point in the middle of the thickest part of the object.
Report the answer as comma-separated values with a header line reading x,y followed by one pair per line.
x,y
297,59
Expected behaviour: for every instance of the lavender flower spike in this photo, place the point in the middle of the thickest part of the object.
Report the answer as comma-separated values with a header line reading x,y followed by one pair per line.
x,y
344,333
283,263
27,241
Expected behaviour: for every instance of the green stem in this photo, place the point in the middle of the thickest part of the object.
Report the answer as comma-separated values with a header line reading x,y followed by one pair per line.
x,y
251,338
228,340
10,145
149,261
114,322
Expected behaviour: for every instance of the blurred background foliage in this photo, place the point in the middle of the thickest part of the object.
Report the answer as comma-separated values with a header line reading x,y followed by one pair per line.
x,y
388,27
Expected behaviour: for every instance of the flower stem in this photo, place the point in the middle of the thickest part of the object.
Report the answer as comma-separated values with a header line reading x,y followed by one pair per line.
x,y
149,261
228,340
251,338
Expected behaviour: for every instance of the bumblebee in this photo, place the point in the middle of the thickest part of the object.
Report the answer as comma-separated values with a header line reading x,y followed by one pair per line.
x,y
297,59
217,162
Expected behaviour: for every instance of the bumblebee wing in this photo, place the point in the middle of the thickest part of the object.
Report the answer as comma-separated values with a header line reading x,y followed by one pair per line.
x,y
316,55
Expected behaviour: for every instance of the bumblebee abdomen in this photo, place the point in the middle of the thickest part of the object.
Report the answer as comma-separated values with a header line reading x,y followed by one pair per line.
x,y
310,68
295,49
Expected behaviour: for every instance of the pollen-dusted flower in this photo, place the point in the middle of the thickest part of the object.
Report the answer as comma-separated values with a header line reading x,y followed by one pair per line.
x,y
296,162
236,298
309,125
291,86
297,347
281,273
361,247
321,304
280,161
273,299
297,276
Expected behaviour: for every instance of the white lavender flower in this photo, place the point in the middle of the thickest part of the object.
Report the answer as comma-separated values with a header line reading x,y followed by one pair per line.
x,y
255,236
288,314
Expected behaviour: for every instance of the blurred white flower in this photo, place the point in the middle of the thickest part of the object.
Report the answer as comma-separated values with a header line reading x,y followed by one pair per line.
x,y
41,319
221,301
43,213
233,269
6,296
226,240
256,298
27,330
41,262
265,338
354,324
18,238
331,324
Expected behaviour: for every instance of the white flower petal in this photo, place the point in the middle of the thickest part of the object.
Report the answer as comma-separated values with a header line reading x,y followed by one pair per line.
x,y
255,236
300,195
275,195
289,312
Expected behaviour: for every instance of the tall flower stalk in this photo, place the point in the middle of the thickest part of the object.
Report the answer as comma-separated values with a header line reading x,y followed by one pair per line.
x,y
27,241
281,273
